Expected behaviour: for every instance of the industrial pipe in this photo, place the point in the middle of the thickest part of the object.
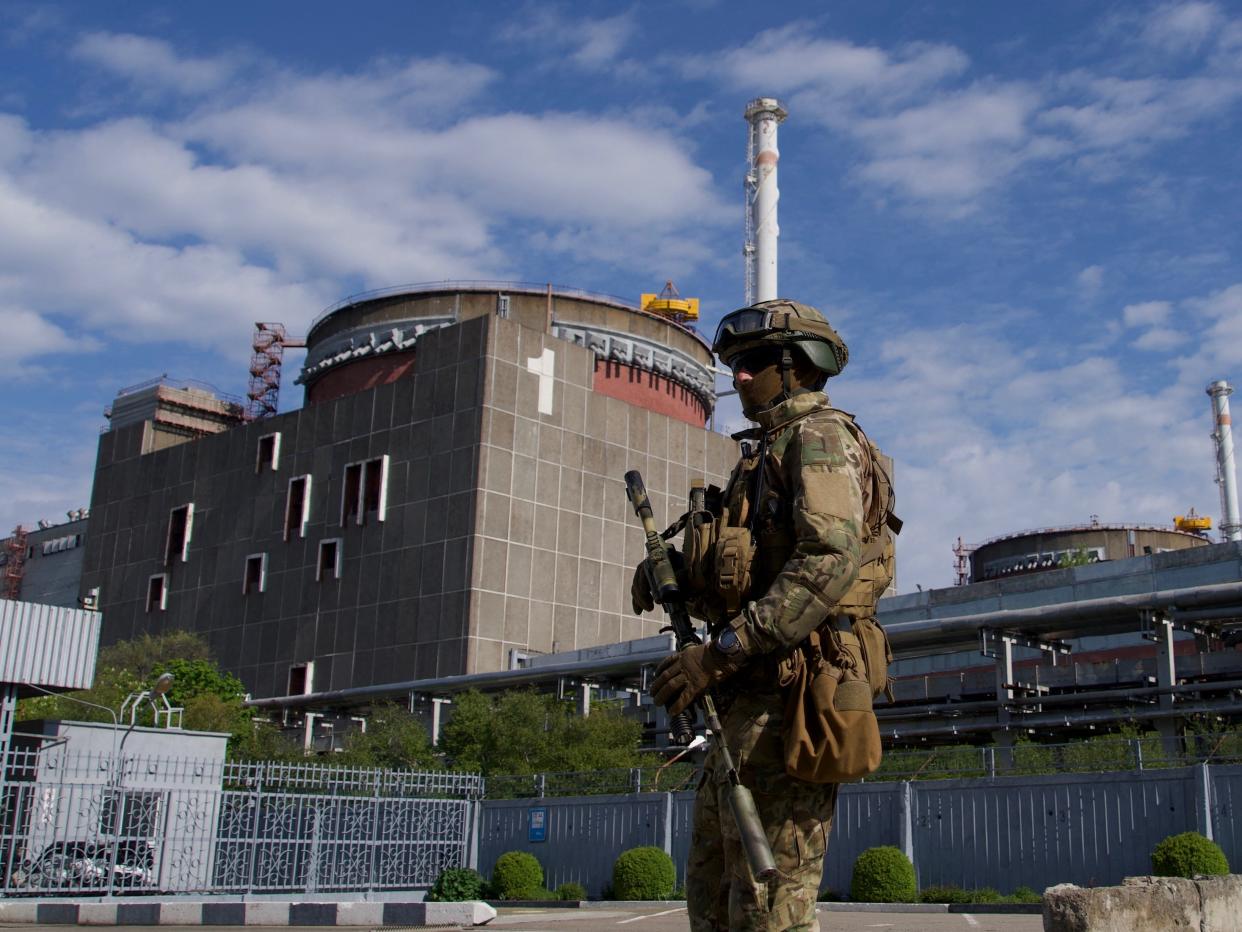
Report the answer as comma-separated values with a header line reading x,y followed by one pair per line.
x,y
764,114
1226,474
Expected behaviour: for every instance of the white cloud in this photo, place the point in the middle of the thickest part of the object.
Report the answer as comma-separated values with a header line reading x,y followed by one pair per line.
x,y
1159,339
1146,314
991,435
1090,280
263,200
148,62
591,44
1182,27
28,335
791,58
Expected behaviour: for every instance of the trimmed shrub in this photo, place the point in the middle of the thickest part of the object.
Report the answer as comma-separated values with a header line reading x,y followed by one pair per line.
x,y
883,875
517,876
571,891
1024,895
944,893
457,885
645,873
1187,855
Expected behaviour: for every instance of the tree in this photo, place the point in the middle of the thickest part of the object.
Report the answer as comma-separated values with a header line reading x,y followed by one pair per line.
x,y
394,739
523,732
212,699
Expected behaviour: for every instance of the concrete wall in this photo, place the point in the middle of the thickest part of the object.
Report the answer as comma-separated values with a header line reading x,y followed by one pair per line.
x,y
506,527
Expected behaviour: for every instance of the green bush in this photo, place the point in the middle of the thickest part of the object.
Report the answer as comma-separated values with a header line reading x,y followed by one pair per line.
x,y
1187,855
952,893
516,876
945,893
645,873
457,885
883,875
571,891
829,895
1023,895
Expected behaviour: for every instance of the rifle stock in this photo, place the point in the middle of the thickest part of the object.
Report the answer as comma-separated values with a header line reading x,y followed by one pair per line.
x,y
664,588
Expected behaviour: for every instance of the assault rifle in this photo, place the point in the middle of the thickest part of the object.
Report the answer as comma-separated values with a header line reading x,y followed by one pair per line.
x,y
662,576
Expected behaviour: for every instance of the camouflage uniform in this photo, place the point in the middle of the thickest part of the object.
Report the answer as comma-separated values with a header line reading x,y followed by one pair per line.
x,y
817,490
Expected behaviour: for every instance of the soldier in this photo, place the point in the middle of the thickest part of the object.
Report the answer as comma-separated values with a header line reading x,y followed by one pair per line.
x,y
780,560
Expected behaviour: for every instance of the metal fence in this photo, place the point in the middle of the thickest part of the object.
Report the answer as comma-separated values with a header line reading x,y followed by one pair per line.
x,y
1003,832
93,823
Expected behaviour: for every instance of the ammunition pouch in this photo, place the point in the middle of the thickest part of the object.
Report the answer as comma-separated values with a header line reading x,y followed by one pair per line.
x,y
734,554
831,680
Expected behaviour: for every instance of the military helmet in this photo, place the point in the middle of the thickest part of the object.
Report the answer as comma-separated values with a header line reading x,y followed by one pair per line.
x,y
782,321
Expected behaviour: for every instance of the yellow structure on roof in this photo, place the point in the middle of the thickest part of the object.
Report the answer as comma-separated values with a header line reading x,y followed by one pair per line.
x,y
668,303
1192,522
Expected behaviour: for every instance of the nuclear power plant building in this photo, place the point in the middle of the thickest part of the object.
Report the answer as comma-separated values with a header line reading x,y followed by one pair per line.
x,y
448,500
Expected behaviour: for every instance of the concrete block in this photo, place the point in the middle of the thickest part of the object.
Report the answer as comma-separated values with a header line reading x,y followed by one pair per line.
x,y
1143,904
472,913
102,914
1220,899
13,913
173,913
137,914
360,914
267,914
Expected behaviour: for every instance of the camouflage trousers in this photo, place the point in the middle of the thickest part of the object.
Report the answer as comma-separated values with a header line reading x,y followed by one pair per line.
x,y
721,892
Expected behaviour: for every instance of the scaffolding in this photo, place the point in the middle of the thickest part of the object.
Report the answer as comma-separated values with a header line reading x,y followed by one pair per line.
x,y
14,564
270,341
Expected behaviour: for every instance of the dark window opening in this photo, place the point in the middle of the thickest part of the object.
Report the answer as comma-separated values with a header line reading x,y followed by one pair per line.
x,y
300,679
180,527
349,497
157,593
269,453
366,490
329,560
256,573
297,507
376,475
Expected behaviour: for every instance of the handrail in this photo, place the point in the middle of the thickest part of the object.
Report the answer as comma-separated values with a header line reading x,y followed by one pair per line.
x,y
472,285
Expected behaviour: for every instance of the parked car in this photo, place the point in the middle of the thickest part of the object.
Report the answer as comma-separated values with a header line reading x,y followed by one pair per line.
x,y
73,866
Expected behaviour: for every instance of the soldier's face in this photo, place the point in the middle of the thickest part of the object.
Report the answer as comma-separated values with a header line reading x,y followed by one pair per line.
x,y
757,378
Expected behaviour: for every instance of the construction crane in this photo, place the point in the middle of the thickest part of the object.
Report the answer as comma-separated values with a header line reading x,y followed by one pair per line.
x,y
669,303
270,342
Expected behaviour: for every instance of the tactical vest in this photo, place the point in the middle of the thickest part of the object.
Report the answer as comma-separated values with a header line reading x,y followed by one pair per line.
x,y
735,546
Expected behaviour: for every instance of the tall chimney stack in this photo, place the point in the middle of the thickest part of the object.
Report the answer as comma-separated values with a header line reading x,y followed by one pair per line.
x,y
1226,474
764,114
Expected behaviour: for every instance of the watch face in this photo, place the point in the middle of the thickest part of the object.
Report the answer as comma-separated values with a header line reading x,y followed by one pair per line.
x,y
727,642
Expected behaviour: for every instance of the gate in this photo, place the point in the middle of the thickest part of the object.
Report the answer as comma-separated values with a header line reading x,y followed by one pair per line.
x,y
95,824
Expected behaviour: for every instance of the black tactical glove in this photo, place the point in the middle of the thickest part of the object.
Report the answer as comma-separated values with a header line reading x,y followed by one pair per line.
x,y
684,676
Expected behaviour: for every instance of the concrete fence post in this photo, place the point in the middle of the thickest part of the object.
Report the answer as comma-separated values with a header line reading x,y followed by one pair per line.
x,y
905,822
666,841
1202,777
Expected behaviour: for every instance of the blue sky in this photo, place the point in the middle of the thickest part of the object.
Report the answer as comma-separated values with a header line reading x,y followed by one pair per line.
x,y
1022,217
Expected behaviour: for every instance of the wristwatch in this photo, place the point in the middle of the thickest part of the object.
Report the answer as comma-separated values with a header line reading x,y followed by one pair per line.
x,y
727,642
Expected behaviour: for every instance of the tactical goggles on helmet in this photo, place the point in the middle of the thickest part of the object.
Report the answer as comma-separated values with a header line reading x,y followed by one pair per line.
x,y
749,321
